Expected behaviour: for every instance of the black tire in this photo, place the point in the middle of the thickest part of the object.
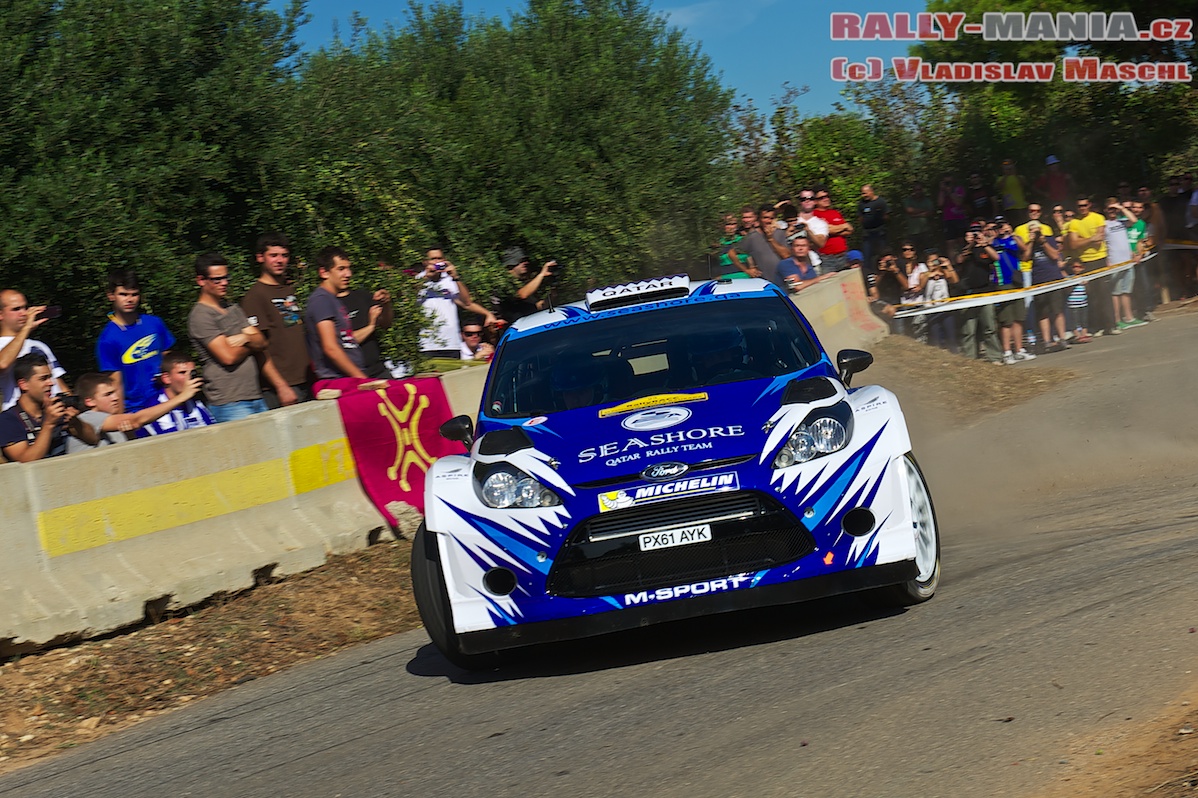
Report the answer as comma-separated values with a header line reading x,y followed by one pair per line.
x,y
927,542
432,600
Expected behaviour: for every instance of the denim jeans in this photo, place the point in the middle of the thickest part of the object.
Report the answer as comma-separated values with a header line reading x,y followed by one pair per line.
x,y
234,411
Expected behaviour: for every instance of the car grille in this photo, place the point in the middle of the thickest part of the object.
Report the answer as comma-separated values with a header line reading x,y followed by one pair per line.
x,y
750,532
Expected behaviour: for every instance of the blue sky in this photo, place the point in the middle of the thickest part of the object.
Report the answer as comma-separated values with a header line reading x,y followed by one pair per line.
x,y
756,44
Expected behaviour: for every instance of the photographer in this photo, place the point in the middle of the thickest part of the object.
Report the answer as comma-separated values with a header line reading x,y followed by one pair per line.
x,y
441,294
36,426
178,370
17,323
939,284
974,265
1037,245
806,224
519,297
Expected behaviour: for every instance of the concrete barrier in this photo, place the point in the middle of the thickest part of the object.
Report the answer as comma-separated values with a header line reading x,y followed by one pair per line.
x,y
464,389
838,309
93,542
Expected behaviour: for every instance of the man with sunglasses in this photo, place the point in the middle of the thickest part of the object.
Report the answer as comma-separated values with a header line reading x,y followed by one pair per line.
x,y
225,339
474,346
832,253
1086,235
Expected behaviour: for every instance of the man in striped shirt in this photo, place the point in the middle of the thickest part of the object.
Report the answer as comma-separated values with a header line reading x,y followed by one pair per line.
x,y
177,369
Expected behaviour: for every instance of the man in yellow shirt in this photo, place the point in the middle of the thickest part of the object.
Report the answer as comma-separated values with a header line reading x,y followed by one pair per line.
x,y
1086,236
1011,188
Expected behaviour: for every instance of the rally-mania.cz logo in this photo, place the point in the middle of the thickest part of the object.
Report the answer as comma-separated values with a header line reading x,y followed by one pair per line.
x,y
1001,26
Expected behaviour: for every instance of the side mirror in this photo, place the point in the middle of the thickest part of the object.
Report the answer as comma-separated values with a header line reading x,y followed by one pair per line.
x,y
851,361
461,428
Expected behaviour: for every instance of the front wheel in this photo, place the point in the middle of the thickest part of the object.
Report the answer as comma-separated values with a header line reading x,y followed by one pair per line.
x,y
927,540
432,600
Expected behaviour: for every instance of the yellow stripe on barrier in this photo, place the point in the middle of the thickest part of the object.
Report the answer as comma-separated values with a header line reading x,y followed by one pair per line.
x,y
324,464
835,314
87,525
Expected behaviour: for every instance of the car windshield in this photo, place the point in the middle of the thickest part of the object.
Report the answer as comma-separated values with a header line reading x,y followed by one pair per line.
x,y
630,355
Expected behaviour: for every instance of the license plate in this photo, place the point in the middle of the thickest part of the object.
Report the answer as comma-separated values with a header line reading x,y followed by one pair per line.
x,y
668,538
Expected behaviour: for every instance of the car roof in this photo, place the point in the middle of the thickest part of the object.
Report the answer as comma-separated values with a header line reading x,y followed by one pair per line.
x,y
641,295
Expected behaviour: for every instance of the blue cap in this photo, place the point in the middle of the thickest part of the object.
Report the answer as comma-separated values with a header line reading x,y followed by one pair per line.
x,y
854,254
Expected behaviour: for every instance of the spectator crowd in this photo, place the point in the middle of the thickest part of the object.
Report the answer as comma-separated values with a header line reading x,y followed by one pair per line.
x,y
978,237
263,352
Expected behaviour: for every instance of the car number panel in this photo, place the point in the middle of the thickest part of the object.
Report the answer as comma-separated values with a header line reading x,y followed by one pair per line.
x,y
669,538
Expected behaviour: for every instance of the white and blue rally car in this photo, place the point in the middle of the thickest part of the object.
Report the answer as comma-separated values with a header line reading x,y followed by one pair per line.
x,y
662,450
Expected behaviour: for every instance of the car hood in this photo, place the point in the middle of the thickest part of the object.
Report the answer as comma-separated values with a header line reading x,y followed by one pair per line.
x,y
605,442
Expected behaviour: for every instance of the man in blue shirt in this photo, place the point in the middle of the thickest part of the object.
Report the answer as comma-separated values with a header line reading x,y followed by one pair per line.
x,y
1010,315
132,343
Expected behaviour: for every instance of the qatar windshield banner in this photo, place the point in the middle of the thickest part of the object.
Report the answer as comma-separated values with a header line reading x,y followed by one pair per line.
x,y
393,432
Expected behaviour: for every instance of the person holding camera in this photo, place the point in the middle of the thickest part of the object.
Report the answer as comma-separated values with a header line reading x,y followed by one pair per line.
x,y
178,372
939,284
101,410
37,425
519,297
1039,248
17,323
975,263
441,294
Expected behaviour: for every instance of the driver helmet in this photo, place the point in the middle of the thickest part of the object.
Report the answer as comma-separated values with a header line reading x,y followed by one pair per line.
x,y
579,382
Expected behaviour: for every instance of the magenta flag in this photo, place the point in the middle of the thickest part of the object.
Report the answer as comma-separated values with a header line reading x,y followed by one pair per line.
x,y
392,427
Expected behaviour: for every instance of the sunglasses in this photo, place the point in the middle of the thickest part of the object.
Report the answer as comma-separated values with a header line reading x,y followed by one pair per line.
x,y
822,196
472,333
1033,210
223,279
807,199
908,249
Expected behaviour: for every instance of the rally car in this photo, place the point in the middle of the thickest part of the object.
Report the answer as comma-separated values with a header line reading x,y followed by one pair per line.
x,y
665,449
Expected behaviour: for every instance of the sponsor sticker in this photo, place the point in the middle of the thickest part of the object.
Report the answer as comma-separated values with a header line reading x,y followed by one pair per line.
x,y
648,494
652,401
657,418
532,422
682,591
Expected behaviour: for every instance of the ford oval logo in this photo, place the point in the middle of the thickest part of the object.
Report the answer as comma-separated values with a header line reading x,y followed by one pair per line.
x,y
656,418
662,471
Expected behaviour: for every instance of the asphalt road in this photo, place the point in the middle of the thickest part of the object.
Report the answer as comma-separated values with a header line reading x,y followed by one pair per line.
x,y
1069,590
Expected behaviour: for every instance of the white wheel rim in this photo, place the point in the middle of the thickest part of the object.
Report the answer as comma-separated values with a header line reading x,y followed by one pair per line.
x,y
923,523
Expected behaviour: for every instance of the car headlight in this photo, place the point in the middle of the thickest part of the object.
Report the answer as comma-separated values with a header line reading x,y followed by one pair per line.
x,y
511,487
825,431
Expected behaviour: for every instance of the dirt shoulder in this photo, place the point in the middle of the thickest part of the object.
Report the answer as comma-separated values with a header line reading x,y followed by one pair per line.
x,y
66,697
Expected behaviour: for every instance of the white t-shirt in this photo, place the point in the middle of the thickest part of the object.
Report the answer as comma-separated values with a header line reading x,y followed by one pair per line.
x,y
9,392
936,289
912,293
438,300
1118,248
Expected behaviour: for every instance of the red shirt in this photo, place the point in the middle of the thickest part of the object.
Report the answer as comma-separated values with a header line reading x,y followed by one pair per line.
x,y
836,244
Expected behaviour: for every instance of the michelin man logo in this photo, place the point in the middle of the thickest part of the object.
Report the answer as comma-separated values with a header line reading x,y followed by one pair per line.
x,y
614,500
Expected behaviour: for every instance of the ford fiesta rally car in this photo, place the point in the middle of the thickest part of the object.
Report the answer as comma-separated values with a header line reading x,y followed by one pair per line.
x,y
662,450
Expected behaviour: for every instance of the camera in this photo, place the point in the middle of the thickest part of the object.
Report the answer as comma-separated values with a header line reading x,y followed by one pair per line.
x,y
555,268
51,312
67,400
440,265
